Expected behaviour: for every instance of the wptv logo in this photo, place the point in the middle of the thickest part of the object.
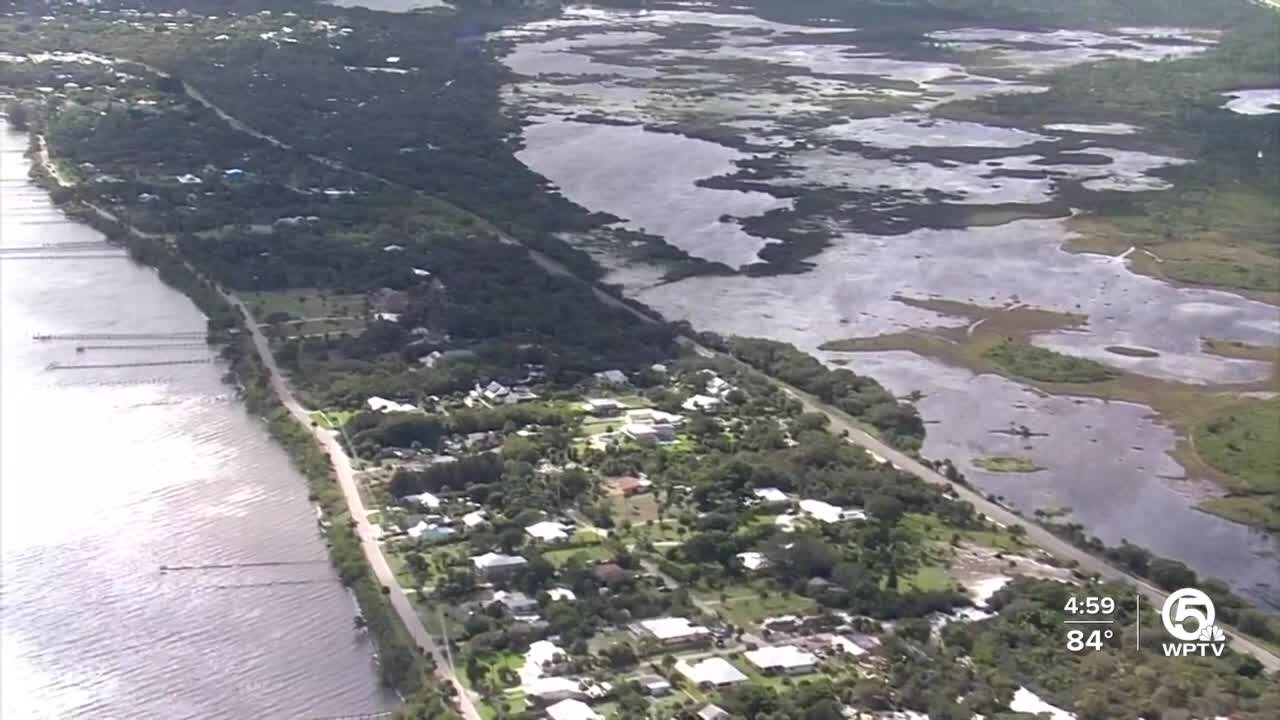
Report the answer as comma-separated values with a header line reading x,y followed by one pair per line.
x,y
1188,616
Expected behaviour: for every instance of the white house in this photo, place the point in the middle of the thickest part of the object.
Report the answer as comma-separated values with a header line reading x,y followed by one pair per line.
x,y
560,594
703,403
553,689
672,630
572,710
827,513
473,519
653,416
548,531
714,671
517,603
426,500
602,407
752,560
612,377
383,405
718,386
649,434
771,496
492,564
787,659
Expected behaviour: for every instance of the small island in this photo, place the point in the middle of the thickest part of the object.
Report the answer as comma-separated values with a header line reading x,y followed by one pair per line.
x,y
1007,464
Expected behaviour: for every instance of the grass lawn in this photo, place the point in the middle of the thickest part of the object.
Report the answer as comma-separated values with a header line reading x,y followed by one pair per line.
x,y
929,577
592,553
934,530
745,606
666,531
636,508
595,425
305,304
331,419
321,327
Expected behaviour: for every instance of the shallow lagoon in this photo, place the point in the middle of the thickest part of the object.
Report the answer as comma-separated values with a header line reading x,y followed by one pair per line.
x,y
1106,460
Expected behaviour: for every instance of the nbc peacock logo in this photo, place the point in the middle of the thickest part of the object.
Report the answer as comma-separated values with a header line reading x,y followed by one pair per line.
x,y
1188,616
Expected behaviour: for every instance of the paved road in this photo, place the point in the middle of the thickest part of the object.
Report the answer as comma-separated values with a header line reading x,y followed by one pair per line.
x,y
839,421
372,549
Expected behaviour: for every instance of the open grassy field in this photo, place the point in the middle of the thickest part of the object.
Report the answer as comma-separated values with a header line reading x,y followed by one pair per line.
x,y
331,419
591,553
305,304
635,508
743,605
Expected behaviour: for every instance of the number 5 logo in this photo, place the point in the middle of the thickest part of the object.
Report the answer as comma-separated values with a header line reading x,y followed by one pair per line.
x,y
1187,604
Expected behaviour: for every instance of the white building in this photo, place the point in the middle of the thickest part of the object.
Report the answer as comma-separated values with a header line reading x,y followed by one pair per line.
x,y
602,406
517,603
561,595
752,560
703,403
827,513
653,416
548,531
423,528
714,671
771,496
572,710
473,519
649,434
426,500
718,386
672,630
383,405
787,659
612,377
491,563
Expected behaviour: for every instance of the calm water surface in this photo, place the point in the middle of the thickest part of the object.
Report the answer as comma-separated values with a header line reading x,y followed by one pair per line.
x,y
108,474
1107,462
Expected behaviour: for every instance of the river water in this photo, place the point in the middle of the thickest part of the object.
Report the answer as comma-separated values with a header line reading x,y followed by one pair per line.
x,y
855,124
108,474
